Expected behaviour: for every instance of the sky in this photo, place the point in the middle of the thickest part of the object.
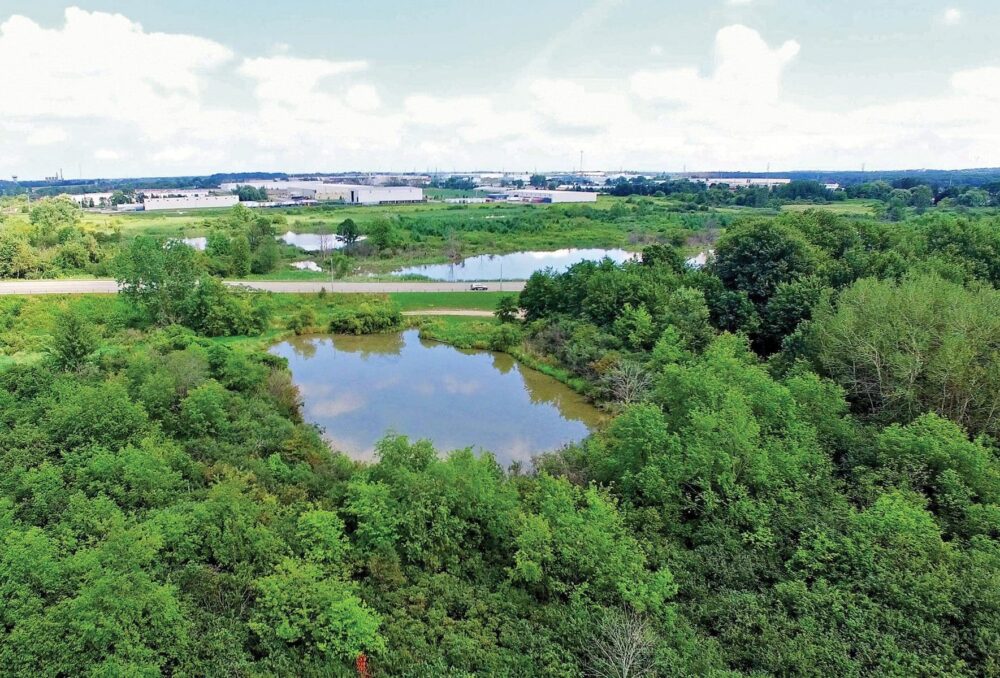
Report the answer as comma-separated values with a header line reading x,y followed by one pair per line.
x,y
178,87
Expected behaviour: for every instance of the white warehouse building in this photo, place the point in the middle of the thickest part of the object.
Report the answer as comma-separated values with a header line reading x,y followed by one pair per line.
x,y
187,202
553,196
358,194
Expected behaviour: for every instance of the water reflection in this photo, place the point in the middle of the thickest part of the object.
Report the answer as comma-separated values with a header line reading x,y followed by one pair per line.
x,y
516,266
310,242
360,388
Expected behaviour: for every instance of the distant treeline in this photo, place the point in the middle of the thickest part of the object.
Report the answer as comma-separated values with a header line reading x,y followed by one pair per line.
x,y
970,177
901,193
76,186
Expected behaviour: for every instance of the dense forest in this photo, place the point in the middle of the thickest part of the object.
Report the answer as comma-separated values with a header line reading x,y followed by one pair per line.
x,y
800,476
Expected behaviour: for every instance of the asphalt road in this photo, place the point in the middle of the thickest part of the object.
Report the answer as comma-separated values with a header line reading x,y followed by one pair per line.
x,y
109,286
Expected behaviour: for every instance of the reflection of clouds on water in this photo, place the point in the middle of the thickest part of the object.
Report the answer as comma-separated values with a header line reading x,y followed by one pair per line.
x,y
353,448
554,254
458,386
424,388
359,388
338,405
304,346
518,449
384,383
315,389
515,266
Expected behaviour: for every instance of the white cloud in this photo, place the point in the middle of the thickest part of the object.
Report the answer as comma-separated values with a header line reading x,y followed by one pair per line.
x,y
285,78
738,2
147,102
571,104
45,136
953,16
656,50
747,71
363,98
104,65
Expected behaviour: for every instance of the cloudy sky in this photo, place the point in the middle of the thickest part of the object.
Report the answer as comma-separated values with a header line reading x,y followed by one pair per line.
x,y
166,87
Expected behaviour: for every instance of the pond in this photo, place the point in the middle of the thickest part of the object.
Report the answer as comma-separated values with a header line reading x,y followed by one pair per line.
x,y
359,388
310,242
516,266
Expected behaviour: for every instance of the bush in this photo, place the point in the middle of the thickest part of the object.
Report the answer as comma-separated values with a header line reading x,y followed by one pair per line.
x,y
367,318
504,336
302,322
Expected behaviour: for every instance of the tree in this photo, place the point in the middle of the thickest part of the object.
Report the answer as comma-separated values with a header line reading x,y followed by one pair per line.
x,y
240,256
921,197
538,181
18,258
348,230
663,255
121,197
628,382
307,616
507,309
621,645
381,234
901,349
266,257
157,277
50,217
688,312
73,340
757,256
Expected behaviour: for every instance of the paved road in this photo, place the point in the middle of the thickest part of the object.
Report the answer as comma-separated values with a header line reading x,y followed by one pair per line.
x,y
109,286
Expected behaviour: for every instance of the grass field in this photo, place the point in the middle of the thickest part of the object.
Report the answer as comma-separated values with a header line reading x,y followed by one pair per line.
x,y
850,207
418,301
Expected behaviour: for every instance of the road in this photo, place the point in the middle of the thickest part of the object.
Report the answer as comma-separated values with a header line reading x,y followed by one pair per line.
x,y
109,286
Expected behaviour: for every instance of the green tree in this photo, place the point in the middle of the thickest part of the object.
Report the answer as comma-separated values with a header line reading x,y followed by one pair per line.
x,y
382,233
18,259
305,618
73,340
266,257
240,256
348,230
507,309
50,217
157,277
921,197
901,349
757,256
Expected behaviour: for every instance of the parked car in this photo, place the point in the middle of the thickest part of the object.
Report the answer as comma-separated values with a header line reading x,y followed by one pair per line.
x,y
478,287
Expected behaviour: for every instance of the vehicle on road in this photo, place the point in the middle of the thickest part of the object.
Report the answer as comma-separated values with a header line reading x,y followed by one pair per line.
x,y
478,287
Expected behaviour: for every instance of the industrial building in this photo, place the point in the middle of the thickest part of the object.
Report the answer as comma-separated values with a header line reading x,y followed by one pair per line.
x,y
357,194
742,182
186,202
539,195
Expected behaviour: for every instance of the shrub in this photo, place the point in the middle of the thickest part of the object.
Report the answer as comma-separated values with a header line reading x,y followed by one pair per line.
x,y
504,336
367,318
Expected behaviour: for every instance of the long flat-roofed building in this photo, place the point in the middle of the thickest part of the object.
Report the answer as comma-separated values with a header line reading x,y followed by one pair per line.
x,y
358,194
187,202
539,195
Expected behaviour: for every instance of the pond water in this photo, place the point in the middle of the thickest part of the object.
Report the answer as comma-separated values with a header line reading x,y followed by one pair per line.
x,y
358,389
310,242
314,242
516,266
